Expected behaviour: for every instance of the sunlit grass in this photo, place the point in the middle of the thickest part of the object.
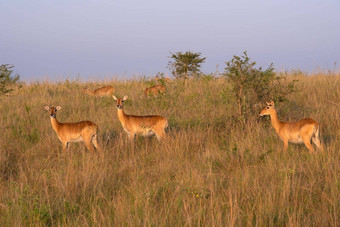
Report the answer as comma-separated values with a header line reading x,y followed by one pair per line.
x,y
208,171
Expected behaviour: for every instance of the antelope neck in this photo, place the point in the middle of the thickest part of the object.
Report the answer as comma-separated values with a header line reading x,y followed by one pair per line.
x,y
275,121
55,123
121,114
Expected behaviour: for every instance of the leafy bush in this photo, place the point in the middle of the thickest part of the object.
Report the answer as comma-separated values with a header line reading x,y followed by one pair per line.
x,y
160,78
149,81
206,77
6,79
252,85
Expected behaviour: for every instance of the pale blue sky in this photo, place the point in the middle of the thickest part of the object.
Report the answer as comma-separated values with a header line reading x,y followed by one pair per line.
x,y
102,38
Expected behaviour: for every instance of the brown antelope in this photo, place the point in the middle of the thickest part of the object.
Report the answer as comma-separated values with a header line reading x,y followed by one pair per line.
x,y
302,131
143,125
154,90
99,92
74,132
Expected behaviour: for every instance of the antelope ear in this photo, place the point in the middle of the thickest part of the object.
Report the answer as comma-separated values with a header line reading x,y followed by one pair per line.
x,y
114,97
272,103
125,97
268,103
58,108
47,108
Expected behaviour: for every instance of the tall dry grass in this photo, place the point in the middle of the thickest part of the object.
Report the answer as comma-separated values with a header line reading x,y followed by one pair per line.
x,y
208,171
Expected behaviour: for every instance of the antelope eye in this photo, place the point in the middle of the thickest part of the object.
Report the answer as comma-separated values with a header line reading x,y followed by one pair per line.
x,y
267,107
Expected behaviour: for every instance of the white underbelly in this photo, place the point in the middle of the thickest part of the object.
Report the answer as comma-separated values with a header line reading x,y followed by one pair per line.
x,y
141,132
296,139
78,139
149,133
145,132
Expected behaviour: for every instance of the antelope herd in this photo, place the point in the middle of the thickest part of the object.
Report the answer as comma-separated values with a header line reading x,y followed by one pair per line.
x,y
302,131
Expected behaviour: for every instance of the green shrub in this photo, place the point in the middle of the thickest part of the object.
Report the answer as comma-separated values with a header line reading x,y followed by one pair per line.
x,y
251,85
7,80
149,81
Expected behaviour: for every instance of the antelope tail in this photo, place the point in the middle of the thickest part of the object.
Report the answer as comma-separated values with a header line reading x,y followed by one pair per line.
x,y
316,137
317,131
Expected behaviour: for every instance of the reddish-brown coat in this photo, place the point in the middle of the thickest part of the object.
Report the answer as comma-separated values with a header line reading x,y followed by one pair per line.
x,y
74,132
142,125
154,90
99,92
302,131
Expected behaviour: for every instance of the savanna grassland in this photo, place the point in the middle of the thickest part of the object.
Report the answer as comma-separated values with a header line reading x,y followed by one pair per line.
x,y
210,170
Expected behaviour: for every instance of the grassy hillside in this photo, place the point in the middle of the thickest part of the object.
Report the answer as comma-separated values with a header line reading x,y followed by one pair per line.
x,y
209,170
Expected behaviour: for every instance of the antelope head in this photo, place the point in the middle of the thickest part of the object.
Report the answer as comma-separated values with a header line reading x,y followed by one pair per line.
x,y
52,110
85,89
269,109
120,102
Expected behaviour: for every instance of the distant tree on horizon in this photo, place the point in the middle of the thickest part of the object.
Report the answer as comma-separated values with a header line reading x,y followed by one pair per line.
x,y
185,64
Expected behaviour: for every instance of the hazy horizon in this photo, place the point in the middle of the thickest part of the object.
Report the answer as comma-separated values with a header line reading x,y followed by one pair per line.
x,y
91,39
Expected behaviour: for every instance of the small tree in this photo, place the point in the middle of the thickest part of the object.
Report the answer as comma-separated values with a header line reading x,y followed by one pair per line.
x,y
6,78
252,86
185,64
